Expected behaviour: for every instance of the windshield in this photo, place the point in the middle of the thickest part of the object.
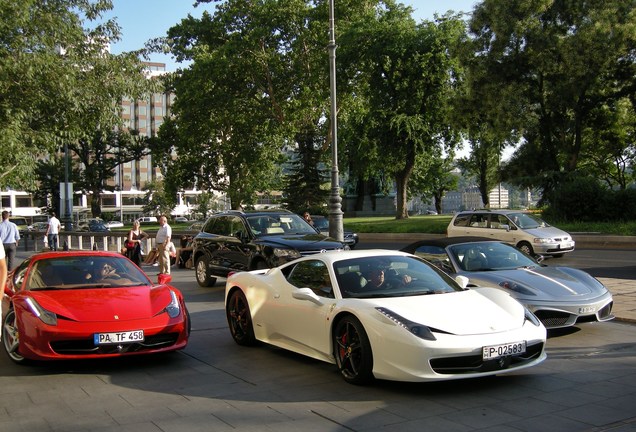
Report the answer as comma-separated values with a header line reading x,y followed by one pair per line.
x,y
527,220
279,224
75,272
484,256
391,276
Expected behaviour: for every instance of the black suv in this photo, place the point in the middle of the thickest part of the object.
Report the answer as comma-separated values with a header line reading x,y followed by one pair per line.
x,y
243,241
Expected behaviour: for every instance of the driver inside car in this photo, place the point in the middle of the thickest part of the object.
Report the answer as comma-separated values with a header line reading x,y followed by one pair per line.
x,y
385,278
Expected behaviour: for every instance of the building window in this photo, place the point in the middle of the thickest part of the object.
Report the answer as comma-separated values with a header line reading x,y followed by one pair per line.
x,y
109,201
23,201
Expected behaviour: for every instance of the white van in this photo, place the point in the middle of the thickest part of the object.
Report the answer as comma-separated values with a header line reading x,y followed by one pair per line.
x,y
147,219
524,230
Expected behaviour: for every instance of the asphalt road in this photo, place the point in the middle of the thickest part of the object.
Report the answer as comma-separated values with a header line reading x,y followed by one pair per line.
x,y
588,383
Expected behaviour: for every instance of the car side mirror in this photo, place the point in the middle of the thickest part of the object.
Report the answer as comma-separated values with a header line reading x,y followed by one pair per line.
x,y
163,279
306,294
462,281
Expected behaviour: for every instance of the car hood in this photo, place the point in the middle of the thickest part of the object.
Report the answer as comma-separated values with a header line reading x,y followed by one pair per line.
x,y
548,283
469,312
105,304
547,232
300,242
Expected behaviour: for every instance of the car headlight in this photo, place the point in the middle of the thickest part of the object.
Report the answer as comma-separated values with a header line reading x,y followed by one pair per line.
x,y
514,286
47,317
173,309
529,316
286,253
543,240
414,328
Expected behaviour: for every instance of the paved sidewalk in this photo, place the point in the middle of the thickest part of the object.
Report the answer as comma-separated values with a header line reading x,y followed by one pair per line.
x,y
624,293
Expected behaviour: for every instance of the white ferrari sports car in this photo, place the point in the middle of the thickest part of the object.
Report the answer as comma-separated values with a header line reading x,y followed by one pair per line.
x,y
383,314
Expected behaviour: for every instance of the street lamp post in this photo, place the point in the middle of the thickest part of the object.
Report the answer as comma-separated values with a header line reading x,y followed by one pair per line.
x,y
335,213
68,226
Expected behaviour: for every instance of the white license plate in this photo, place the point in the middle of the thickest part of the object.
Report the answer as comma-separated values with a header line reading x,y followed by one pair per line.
x,y
503,350
118,337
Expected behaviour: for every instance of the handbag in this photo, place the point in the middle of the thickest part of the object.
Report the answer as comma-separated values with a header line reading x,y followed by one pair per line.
x,y
130,244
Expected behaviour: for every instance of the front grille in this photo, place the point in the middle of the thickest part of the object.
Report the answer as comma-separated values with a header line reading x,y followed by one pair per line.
x,y
551,318
87,347
313,252
475,363
603,314
606,312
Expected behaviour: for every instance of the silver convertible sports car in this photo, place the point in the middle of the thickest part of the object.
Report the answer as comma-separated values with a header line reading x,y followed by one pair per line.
x,y
558,296
383,314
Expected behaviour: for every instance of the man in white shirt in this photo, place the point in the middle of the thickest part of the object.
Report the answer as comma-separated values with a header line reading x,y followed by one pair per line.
x,y
163,237
52,231
10,235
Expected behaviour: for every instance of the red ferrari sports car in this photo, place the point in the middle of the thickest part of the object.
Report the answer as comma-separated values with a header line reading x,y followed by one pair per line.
x,y
89,304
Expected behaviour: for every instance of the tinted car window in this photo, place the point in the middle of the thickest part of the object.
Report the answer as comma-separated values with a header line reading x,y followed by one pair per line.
x,y
479,220
314,275
462,220
222,226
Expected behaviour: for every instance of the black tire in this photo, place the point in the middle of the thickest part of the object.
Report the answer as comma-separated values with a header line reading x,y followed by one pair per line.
x,y
189,322
239,319
11,337
352,351
526,248
202,272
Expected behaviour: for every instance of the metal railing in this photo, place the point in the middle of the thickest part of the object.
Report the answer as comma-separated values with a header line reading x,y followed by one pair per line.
x,y
108,241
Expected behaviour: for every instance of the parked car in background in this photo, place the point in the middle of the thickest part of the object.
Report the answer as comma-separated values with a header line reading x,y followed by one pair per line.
x,y
21,222
196,226
115,224
181,219
321,223
241,241
525,230
147,220
38,227
92,225
89,304
423,326
558,296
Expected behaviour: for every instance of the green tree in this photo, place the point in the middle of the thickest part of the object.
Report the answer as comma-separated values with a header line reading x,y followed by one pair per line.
x,y
433,177
558,61
156,201
258,82
305,178
406,73
57,82
100,155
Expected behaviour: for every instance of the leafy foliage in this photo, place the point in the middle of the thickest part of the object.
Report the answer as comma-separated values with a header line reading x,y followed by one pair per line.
x,y
553,66
405,74
57,83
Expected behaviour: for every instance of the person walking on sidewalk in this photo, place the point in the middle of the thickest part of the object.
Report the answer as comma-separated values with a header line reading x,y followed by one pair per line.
x,y
52,231
163,238
10,236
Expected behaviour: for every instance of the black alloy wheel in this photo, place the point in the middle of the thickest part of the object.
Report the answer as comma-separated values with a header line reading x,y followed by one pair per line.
x,y
239,319
353,351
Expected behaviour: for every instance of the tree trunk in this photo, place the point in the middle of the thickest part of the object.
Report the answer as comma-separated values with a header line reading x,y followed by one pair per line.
x,y
96,208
